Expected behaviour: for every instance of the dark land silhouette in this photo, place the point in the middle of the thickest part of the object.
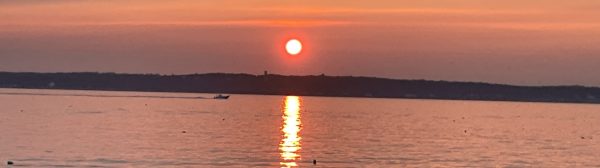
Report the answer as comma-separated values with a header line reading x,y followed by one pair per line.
x,y
321,85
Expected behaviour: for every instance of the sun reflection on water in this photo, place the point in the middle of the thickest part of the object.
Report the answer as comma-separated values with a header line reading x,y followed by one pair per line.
x,y
290,142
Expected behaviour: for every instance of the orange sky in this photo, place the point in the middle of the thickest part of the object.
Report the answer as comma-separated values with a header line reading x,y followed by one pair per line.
x,y
508,41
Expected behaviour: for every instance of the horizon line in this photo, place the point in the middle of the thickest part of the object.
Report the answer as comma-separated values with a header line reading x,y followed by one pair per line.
x,y
296,75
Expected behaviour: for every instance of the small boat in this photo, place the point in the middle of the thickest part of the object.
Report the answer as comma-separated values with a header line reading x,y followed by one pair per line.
x,y
220,96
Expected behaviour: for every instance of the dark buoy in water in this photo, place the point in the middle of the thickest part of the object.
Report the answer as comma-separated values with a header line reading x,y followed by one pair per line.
x,y
183,132
10,162
314,162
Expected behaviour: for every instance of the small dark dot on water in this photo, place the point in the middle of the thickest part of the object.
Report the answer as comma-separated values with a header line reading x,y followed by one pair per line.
x,y
223,119
582,137
10,163
465,131
183,131
463,118
453,120
315,162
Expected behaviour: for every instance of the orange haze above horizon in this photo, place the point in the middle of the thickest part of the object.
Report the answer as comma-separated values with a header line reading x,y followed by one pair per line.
x,y
502,41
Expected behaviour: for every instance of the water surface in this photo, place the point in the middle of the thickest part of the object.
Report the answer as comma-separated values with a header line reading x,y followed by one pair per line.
x,y
54,128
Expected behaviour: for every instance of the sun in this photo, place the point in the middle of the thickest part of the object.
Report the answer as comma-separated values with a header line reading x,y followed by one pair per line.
x,y
293,47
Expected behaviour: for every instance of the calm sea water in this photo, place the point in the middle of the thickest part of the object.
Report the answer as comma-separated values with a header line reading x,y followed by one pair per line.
x,y
52,128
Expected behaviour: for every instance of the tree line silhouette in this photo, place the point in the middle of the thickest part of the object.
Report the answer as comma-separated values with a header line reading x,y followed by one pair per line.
x,y
319,85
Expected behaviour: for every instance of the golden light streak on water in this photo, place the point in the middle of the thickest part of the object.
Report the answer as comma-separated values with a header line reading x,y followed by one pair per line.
x,y
290,142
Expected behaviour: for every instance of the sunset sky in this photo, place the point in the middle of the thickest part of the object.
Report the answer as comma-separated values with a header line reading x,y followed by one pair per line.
x,y
527,42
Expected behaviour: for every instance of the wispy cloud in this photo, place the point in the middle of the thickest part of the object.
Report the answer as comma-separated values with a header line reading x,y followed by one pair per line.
x,y
192,13
250,23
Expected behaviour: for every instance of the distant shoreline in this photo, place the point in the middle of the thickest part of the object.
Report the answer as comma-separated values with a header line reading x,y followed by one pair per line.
x,y
323,86
12,93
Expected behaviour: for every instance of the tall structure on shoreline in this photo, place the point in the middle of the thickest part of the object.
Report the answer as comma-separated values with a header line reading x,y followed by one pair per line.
x,y
266,75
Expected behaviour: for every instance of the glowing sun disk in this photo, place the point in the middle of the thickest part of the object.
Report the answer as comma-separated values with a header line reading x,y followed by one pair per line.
x,y
293,47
